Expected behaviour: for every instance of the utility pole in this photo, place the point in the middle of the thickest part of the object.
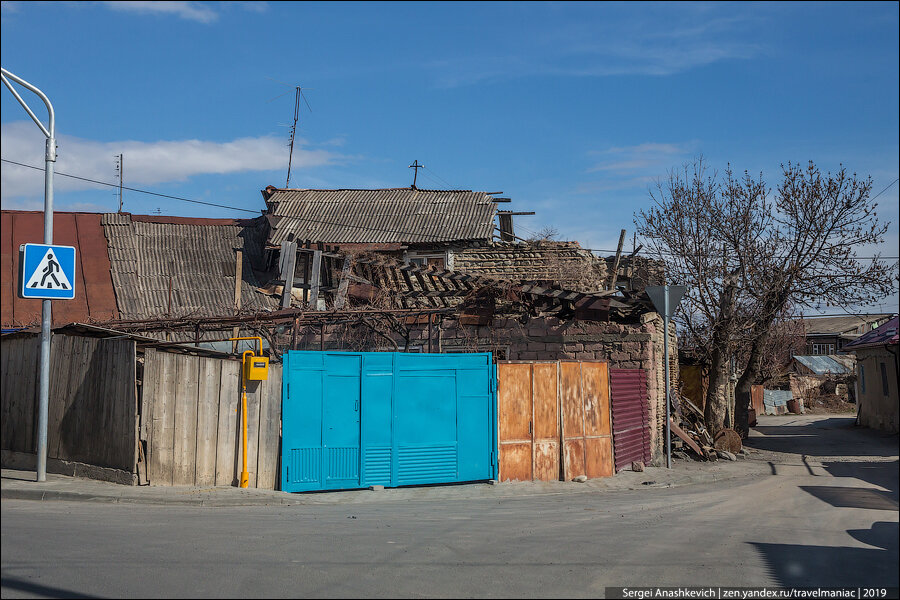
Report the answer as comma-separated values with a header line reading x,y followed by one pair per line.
x,y
121,177
49,158
415,166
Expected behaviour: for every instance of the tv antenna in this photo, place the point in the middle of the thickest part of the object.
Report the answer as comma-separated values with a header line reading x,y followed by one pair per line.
x,y
415,166
298,95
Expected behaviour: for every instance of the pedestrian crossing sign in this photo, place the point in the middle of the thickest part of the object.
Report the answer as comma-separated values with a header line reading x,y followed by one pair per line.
x,y
47,272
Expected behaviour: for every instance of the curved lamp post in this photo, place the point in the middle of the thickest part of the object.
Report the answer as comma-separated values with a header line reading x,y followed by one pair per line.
x,y
49,159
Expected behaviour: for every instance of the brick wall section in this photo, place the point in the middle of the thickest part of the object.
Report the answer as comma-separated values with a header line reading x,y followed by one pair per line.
x,y
628,346
564,263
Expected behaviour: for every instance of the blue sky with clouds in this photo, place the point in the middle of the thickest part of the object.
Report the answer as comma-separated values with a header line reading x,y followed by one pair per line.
x,y
572,110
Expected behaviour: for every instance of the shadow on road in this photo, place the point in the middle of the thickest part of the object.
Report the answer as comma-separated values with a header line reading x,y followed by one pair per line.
x,y
7,584
849,497
843,438
794,565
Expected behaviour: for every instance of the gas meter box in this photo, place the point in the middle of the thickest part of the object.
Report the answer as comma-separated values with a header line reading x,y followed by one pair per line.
x,y
256,368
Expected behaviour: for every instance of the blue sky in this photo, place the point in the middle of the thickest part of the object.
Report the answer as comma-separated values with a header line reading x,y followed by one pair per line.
x,y
572,110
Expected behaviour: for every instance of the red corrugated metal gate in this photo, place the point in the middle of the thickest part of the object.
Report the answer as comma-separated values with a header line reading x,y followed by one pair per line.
x,y
630,416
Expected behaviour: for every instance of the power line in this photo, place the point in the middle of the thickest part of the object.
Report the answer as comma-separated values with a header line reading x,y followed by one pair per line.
x,y
131,189
886,189
321,222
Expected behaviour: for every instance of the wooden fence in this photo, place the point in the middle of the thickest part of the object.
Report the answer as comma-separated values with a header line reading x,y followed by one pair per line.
x,y
554,420
191,421
92,411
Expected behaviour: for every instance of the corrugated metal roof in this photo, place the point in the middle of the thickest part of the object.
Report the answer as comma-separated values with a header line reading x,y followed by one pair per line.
x,y
885,335
196,257
848,324
822,365
94,297
401,215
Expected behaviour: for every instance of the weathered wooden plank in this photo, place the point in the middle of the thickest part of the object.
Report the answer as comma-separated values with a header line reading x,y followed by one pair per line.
x,y
185,444
315,280
208,419
15,398
163,413
341,296
227,445
269,432
63,425
254,391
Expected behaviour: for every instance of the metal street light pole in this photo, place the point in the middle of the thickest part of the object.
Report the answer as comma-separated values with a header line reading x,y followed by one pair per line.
x,y
49,159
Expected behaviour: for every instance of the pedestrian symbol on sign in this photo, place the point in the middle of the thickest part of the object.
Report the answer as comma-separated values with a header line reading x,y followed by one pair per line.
x,y
47,271
48,275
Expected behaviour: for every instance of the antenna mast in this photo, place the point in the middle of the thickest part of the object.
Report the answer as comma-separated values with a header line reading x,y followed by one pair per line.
x,y
293,133
120,168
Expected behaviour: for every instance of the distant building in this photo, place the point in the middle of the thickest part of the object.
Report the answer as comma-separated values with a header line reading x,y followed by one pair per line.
x,y
876,362
829,335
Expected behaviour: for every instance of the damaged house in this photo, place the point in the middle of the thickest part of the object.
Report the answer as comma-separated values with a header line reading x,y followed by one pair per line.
x,y
404,271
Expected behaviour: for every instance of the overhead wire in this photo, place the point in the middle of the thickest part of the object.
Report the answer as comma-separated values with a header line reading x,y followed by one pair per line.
x,y
323,222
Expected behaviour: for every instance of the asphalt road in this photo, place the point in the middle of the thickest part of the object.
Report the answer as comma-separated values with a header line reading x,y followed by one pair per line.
x,y
822,518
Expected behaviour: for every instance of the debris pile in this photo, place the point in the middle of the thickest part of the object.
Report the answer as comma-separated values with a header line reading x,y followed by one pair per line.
x,y
692,439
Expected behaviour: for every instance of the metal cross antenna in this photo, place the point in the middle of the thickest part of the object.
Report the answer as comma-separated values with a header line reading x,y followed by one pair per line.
x,y
415,166
49,158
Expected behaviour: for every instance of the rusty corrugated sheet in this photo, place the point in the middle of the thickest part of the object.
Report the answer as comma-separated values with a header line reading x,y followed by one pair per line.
x,y
384,216
630,416
94,296
195,258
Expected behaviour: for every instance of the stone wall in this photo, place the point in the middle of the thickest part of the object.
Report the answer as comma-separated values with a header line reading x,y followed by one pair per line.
x,y
628,346
564,263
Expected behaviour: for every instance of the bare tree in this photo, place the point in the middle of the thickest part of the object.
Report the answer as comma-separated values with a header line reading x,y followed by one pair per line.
x,y
748,255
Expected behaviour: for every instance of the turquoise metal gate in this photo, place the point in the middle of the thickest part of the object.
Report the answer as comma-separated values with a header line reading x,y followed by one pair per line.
x,y
356,419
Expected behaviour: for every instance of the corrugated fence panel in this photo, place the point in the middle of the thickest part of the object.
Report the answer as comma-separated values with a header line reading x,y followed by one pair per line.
x,y
630,416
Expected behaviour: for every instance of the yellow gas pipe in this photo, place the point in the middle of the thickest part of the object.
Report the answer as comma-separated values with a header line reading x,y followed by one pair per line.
x,y
245,475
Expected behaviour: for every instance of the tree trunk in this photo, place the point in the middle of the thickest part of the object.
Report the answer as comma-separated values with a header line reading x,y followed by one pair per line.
x,y
717,393
772,307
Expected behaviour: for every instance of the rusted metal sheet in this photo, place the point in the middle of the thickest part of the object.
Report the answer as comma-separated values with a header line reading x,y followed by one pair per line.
x,y
567,404
630,416
94,299
514,414
757,393
598,451
545,428
572,411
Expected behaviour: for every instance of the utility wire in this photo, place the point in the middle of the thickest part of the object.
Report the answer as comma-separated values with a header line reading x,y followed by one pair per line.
x,y
321,222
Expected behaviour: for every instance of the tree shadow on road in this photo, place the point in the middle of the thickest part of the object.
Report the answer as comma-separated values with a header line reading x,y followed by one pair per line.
x,y
836,436
7,584
795,565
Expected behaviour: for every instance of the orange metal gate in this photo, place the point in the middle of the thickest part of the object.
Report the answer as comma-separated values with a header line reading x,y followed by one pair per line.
x,y
554,420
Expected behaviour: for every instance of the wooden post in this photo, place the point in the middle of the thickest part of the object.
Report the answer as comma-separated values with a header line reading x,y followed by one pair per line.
x,y
341,296
294,330
287,262
238,277
615,272
430,335
314,280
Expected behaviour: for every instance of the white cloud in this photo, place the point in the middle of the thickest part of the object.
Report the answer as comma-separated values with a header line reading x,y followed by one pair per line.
x,y
192,11
146,163
649,159
659,40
